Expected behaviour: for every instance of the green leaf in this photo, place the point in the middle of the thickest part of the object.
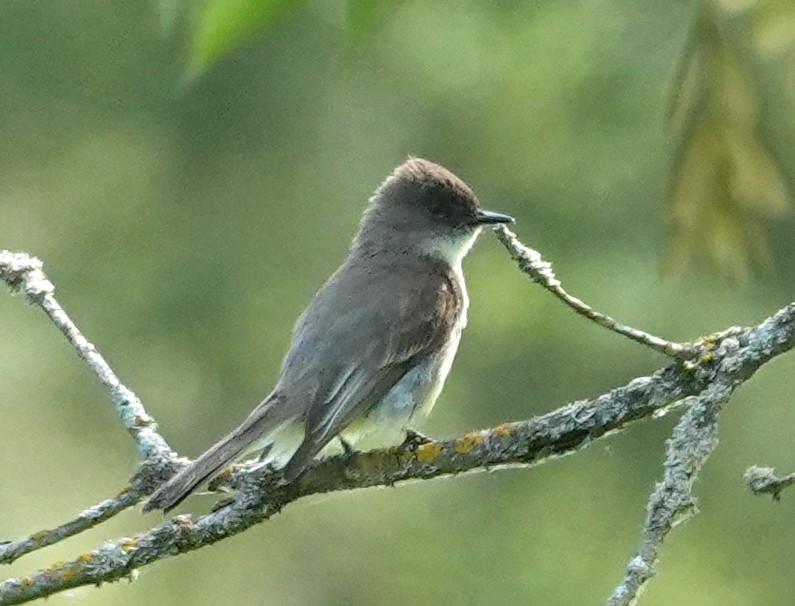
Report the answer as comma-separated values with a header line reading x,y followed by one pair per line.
x,y
223,25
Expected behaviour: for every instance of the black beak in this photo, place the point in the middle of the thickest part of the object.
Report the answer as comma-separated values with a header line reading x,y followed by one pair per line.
x,y
487,217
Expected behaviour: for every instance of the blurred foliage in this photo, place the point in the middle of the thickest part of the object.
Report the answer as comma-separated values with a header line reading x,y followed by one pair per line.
x,y
772,25
186,227
725,179
222,25
365,16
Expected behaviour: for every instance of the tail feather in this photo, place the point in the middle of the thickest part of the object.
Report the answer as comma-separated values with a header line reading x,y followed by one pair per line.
x,y
222,453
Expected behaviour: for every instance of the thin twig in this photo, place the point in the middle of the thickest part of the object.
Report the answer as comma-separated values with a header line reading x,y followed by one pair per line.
x,y
11,551
540,271
763,480
147,478
24,273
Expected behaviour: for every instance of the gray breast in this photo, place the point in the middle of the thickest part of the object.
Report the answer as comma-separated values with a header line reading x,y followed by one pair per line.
x,y
413,396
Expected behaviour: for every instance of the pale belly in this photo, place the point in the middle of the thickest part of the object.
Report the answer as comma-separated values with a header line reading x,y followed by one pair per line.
x,y
408,402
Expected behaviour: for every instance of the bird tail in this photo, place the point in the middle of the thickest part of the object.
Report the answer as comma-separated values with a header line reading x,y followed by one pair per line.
x,y
259,423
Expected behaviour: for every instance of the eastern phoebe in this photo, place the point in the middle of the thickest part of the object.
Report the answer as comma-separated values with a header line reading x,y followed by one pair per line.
x,y
371,351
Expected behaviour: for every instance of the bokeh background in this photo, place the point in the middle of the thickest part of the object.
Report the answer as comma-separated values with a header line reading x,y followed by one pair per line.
x,y
186,216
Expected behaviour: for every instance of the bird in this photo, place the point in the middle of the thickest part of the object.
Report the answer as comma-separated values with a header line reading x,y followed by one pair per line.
x,y
370,353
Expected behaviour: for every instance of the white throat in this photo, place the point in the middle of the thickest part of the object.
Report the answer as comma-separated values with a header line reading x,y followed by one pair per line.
x,y
452,250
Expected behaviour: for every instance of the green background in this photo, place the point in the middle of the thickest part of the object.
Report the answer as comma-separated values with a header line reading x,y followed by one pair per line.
x,y
187,223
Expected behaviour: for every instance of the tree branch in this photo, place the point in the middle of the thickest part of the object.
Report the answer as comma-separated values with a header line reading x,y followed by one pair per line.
x,y
672,501
702,383
261,495
22,272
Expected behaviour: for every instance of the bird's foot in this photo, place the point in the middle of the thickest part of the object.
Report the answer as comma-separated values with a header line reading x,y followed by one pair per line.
x,y
414,439
346,447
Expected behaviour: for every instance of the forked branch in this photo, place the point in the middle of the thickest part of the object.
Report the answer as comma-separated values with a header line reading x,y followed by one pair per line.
x,y
701,379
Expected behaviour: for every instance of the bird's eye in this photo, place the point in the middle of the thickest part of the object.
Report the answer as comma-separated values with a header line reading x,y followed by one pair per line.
x,y
438,206
438,209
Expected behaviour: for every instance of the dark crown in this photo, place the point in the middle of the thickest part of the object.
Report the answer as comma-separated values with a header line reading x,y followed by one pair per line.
x,y
426,186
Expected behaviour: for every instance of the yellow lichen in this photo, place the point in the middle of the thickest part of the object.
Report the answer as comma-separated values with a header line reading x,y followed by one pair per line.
x,y
427,453
128,544
71,572
404,455
707,357
503,430
226,472
26,582
466,443
39,536
368,464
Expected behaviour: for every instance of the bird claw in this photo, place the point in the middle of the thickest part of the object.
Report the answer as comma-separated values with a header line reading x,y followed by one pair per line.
x,y
346,447
414,439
